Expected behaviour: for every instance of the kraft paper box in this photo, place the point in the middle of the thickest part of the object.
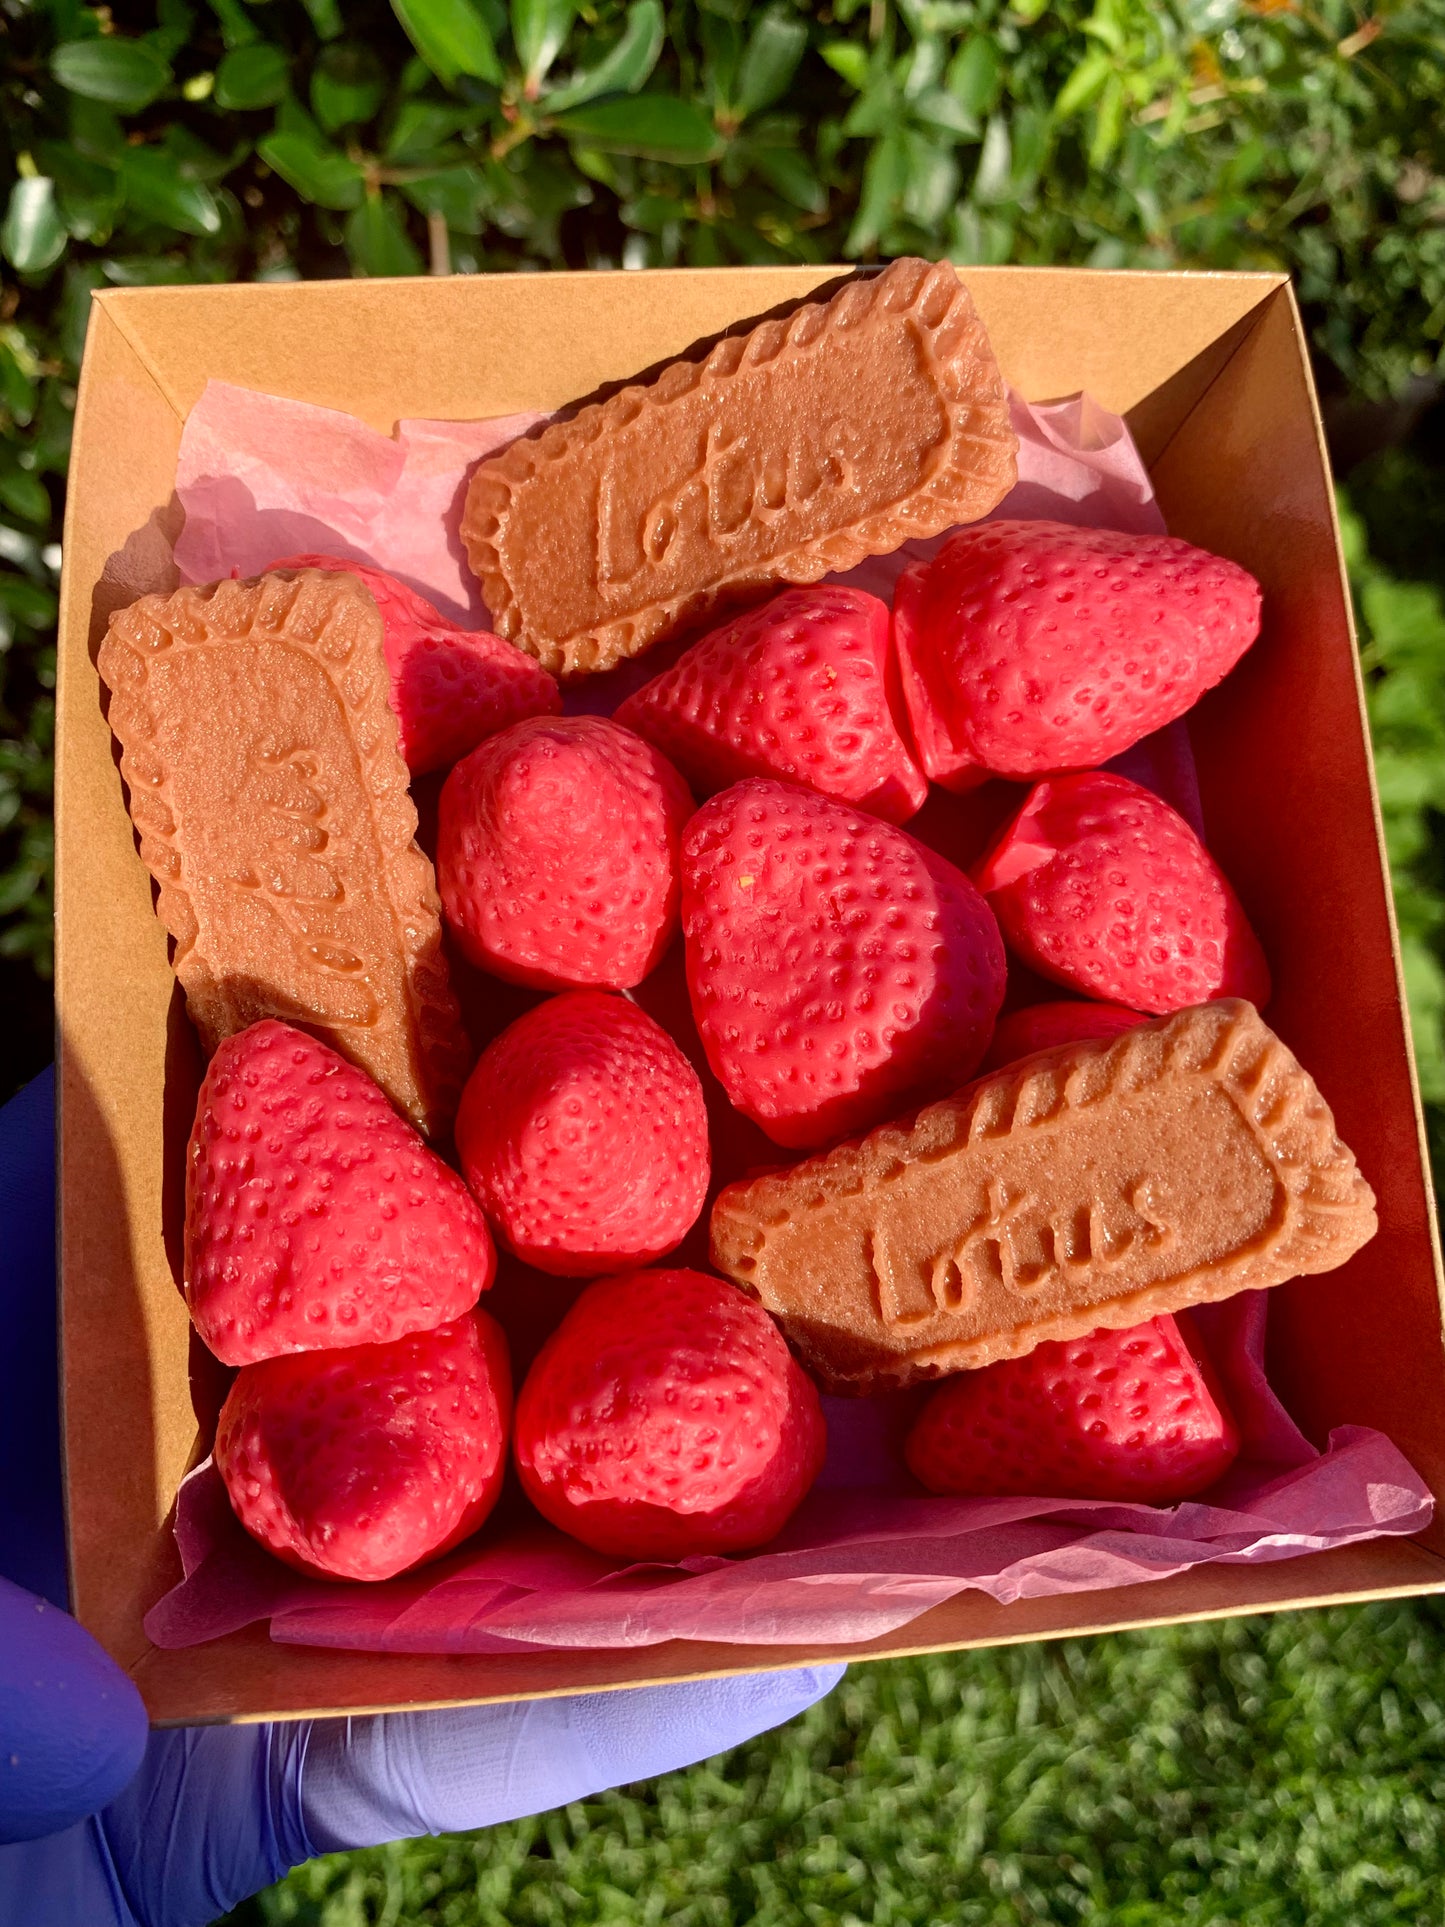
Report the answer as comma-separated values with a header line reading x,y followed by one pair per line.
x,y
1212,374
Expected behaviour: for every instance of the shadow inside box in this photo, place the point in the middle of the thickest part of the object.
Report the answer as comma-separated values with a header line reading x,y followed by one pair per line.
x,y
110,1392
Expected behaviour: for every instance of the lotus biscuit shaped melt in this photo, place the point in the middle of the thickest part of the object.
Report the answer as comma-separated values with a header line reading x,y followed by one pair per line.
x,y
1098,1184
797,449
260,754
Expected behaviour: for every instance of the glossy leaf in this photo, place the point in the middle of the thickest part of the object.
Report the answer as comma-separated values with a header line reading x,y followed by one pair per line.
x,y
775,46
623,68
325,18
1108,122
25,495
377,241
423,127
931,187
790,174
238,29
974,74
539,31
452,38
943,110
159,192
126,74
458,194
95,132
877,110
655,126
348,85
251,77
848,60
993,181
90,194
175,22
1084,84
884,179
318,174
32,236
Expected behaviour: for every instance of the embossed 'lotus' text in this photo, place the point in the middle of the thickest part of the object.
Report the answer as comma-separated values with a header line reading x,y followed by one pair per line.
x,y
1100,1184
789,452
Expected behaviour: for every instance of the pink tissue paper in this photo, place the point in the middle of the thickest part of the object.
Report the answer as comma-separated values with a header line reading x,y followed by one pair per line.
x,y
261,477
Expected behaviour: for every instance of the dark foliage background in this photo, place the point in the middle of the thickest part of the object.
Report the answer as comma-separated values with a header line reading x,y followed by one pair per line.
x,y
277,138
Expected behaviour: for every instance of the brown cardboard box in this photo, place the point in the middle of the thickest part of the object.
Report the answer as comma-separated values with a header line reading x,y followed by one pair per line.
x,y
1212,372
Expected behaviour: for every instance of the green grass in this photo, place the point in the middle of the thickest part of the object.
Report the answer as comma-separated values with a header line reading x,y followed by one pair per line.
x,y
1285,1772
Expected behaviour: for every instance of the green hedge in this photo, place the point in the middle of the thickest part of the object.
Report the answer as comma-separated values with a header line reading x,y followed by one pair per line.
x,y
270,140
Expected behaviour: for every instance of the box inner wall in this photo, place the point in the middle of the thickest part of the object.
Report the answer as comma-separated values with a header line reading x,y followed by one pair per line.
x,y
1210,369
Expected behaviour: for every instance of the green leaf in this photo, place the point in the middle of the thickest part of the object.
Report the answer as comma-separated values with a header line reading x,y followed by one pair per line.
x,y
452,38
27,602
1084,84
377,241
876,111
348,85
849,60
176,22
251,77
922,69
993,183
653,213
25,495
656,126
318,174
789,173
237,27
943,110
421,127
33,235
539,30
95,131
932,184
974,74
123,73
623,68
1108,122
884,177
458,194
325,18
774,49
156,189
293,118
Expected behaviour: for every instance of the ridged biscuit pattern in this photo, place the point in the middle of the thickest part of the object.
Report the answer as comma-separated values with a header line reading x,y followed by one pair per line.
x,y
272,807
1094,1185
789,452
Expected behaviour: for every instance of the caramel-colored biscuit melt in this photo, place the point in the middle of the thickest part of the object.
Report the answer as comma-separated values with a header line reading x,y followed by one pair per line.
x,y
272,807
1098,1184
797,449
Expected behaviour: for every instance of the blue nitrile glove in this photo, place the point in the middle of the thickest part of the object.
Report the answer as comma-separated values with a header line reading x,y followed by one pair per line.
x,y
106,1824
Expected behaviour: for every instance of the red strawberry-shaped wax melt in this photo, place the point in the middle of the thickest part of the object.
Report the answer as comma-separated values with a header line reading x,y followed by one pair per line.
x,y
797,689
361,1464
1026,648
836,966
557,853
450,687
315,1216
1041,1026
1116,1415
1102,887
665,1417
583,1135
